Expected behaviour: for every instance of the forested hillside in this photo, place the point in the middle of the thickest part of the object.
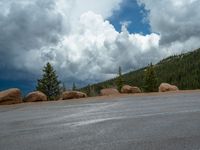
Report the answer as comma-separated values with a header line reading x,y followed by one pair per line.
x,y
181,70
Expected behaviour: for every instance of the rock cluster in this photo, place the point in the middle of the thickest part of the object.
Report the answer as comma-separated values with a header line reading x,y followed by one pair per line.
x,y
13,96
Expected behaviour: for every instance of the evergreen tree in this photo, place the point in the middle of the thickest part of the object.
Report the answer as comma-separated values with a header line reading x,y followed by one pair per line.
x,y
150,79
74,87
63,88
119,80
88,90
181,70
49,84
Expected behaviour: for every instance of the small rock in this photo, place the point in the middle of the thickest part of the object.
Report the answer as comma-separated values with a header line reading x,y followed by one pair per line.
x,y
130,89
109,91
73,95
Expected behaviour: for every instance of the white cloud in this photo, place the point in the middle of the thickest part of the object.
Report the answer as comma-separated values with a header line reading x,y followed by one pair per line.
x,y
73,9
82,44
177,21
94,50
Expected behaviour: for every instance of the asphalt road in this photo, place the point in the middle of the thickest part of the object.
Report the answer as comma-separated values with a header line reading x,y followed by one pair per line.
x,y
165,122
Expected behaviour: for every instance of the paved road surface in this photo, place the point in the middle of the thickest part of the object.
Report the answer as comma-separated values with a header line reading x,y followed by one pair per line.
x,y
165,122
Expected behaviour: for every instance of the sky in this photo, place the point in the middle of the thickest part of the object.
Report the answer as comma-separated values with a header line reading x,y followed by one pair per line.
x,y
87,40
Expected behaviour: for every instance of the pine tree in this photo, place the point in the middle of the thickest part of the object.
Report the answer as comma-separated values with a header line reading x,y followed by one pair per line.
x,y
63,88
150,79
119,80
74,87
49,84
88,90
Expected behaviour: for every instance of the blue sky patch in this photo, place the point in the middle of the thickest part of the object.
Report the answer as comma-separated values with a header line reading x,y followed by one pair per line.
x,y
130,11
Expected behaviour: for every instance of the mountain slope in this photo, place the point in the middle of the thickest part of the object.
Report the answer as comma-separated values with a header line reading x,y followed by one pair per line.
x,y
181,70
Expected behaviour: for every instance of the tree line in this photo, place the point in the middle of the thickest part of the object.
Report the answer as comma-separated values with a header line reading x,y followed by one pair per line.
x,y
181,70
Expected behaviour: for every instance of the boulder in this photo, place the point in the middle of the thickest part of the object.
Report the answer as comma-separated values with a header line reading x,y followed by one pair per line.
x,y
35,96
10,96
73,95
130,89
164,87
109,91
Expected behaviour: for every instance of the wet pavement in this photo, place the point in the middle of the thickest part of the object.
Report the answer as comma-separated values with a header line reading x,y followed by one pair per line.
x,y
160,122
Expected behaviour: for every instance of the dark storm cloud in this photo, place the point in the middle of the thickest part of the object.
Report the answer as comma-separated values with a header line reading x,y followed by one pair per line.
x,y
177,21
25,26
81,44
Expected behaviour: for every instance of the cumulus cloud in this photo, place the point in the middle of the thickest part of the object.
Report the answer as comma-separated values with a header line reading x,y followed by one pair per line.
x,y
83,46
26,27
95,50
177,21
31,31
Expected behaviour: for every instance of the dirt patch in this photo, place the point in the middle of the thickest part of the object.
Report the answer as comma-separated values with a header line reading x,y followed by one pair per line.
x,y
110,97
146,94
